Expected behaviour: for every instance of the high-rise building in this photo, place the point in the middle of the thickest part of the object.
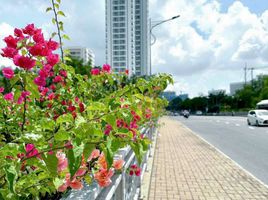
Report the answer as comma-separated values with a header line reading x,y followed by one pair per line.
x,y
83,53
127,36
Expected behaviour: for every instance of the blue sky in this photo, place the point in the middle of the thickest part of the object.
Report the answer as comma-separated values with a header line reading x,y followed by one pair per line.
x,y
212,39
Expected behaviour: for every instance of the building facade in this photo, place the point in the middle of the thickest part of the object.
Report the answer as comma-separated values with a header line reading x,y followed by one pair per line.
x,y
83,53
127,36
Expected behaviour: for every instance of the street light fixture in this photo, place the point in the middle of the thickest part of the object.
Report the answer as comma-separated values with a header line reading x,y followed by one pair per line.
x,y
154,38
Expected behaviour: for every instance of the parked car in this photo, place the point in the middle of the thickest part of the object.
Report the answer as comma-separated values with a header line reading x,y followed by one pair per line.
x,y
257,117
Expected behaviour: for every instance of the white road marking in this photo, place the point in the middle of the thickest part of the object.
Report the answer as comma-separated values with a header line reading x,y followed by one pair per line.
x,y
227,122
250,127
237,124
218,121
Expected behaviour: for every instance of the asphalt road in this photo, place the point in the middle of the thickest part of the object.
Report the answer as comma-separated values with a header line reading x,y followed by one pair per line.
x,y
246,145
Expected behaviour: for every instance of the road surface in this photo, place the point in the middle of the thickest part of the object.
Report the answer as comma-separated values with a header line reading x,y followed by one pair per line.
x,y
246,145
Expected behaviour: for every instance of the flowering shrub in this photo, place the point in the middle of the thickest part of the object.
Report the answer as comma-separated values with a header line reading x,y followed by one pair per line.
x,y
59,128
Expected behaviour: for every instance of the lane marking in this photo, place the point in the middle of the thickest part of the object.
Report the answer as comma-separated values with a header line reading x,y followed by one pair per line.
x,y
227,122
249,173
237,124
250,127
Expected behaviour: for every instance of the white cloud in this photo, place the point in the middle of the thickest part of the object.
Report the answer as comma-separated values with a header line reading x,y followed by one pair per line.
x,y
205,39
6,30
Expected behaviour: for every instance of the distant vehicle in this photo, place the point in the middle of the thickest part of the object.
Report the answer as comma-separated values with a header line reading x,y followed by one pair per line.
x,y
263,105
198,112
258,117
186,113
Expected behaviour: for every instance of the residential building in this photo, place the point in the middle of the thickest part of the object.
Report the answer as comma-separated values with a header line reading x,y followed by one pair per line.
x,y
234,87
127,36
83,53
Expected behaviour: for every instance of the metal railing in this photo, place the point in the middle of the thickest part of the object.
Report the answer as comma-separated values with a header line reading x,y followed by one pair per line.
x,y
123,186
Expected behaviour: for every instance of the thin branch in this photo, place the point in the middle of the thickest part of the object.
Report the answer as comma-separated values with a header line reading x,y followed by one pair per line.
x,y
58,29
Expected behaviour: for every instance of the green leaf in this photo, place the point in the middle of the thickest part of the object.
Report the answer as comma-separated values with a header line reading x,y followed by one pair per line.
x,y
88,179
96,106
51,163
62,136
48,9
58,1
88,150
111,119
61,13
56,5
73,162
53,20
11,176
58,182
138,150
66,37
53,34
15,79
65,118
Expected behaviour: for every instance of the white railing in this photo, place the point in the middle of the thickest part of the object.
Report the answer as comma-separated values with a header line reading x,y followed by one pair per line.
x,y
123,186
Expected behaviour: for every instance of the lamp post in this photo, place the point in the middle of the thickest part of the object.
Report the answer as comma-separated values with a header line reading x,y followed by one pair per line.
x,y
154,38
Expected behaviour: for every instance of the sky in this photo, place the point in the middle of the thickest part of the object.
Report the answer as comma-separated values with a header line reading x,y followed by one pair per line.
x,y
206,48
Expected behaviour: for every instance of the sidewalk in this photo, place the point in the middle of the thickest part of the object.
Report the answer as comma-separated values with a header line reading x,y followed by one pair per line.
x,y
185,167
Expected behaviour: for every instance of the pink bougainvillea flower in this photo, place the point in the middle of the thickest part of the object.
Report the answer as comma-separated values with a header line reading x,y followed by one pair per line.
x,y
40,81
118,164
74,183
94,154
119,123
39,49
103,177
95,71
81,107
62,161
18,33
9,96
29,29
47,68
51,96
24,94
71,108
57,79
53,45
2,89
11,41
148,113
24,62
8,72
38,37
106,68
9,52
134,169
68,145
63,73
133,124
53,59
127,71
31,151
108,129
102,161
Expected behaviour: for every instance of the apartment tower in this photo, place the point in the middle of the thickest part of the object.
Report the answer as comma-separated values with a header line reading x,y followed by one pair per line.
x,y
127,36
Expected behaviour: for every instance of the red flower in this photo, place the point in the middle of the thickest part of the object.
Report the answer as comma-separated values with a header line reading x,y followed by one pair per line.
x,y
53,87
53,59
9,96
39,49
103,177
108,129
82,107
106,68
38,37
40,81
133,124
63,73
71,108
127,71
29,29
11,41
47,67
135,169
2,89
95,71
57,79
18,33
9,52
31,151
74,114
118,164
53,45
51,96
24,62
8,72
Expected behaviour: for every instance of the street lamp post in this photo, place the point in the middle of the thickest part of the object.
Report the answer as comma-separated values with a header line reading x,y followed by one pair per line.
x,y
154,38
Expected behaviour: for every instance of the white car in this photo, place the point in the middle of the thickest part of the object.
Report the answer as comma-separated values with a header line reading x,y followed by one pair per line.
x,y
258,117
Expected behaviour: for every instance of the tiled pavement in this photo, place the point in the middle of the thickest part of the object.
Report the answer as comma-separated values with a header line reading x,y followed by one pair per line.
x,y
185,167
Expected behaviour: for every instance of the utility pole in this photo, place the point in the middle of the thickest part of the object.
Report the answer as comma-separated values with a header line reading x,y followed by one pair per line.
x,y
251,69
245,70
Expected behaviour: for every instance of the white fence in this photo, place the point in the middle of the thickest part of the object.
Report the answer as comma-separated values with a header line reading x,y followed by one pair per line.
x,y
123,186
